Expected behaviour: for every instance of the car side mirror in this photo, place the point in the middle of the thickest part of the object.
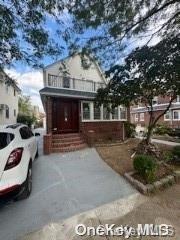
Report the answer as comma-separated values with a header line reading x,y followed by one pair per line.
x,y
37,134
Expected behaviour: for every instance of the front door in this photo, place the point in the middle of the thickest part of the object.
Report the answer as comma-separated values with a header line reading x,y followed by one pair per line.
x,y
65,116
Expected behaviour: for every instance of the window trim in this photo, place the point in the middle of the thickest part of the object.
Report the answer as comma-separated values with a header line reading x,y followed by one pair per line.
x,y
140,118
101,114
176,119
168,119
136,117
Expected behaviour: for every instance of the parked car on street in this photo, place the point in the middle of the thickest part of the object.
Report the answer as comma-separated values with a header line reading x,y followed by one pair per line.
x,y
18,149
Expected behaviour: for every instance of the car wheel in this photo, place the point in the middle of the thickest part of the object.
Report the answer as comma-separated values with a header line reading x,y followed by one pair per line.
x,y
26,187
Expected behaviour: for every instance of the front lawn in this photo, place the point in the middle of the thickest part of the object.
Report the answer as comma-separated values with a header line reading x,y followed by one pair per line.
x,y
119,157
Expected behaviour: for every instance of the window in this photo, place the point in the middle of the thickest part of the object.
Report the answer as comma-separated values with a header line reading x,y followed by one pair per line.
x,y
66,82
86,110
115,113
106,113
142,117
97,112
167,116
14,112
14,92
176,115
7,112
5,139
25,133
136,117
7,88
122,113
155,100
178,99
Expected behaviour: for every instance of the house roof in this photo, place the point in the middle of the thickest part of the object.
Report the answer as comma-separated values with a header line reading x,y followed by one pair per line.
x,y
75,54
8,80
48,91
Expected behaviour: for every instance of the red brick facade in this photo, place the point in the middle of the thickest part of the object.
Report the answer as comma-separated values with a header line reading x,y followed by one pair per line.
x,y
49,114
92,131
99,131
140,115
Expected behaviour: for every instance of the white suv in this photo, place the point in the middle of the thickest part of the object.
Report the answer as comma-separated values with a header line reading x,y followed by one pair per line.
x,y
18,149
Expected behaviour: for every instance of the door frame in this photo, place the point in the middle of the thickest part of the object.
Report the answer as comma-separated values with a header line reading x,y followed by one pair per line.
x,y
55,116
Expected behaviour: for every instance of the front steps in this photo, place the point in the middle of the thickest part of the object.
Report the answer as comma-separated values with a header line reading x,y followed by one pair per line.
x,y
67,142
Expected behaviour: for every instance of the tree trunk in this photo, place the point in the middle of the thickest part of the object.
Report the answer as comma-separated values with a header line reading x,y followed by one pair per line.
x,y
149,134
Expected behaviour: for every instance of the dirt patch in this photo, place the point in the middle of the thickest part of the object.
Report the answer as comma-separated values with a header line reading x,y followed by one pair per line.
x,y
119,157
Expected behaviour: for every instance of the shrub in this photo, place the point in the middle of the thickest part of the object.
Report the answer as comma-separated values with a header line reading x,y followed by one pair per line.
x,y
176,153
146,166
162,130
129,129
168,156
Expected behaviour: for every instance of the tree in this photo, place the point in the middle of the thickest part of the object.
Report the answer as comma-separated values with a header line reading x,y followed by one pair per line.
x,y
146,73
24,105
118,25
25,114
23,32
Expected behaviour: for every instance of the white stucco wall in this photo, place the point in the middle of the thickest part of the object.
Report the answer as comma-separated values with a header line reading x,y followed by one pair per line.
x,y
75,70
7,97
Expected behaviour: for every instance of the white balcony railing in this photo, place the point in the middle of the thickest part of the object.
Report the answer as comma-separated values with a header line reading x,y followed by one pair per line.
x,y
73,83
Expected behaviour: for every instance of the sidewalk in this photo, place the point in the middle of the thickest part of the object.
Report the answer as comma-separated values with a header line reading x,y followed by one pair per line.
x,y
163,208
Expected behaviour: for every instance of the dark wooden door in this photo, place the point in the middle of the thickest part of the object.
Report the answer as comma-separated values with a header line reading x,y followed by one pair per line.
x,y
65,116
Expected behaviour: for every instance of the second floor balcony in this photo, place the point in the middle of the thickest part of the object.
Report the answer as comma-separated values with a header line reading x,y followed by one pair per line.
x,y
74,83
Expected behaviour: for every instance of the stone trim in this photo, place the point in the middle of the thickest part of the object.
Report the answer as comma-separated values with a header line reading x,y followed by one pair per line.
x,y
158,185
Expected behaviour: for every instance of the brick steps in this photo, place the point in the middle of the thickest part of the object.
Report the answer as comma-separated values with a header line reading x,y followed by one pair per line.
x,y
69,149
67,142
67,135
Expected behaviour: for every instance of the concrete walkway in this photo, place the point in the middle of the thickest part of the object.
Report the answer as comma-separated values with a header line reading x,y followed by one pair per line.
x,y
63,185
165,142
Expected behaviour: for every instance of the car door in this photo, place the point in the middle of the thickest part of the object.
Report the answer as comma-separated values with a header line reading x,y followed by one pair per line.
x,y
33,143
27,138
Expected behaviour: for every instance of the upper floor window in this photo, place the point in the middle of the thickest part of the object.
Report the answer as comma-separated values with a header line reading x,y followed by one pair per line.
x,y
7,88
14,112
155,100
7,112
14,92
141,117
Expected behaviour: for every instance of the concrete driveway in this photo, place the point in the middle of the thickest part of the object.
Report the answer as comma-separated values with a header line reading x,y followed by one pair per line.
x,y
63,185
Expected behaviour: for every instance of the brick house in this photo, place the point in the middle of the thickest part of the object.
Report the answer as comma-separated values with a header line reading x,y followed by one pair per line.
x,y
73,118
140,116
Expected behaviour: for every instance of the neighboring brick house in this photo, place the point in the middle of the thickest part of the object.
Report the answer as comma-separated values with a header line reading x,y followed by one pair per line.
x,y
140,115
68,95
9,96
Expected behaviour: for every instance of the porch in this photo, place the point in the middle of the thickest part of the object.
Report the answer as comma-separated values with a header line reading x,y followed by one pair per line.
x,y
79,119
